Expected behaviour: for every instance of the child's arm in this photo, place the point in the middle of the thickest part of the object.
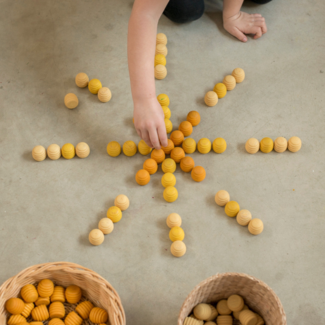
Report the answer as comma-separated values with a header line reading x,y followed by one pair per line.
x,y
148,114
239,23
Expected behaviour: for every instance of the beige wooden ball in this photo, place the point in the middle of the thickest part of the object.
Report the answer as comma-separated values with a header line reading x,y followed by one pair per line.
x,y
161,49
122,202
178,248
71,101
210,323
211,98
39,153
235,303
106,225
202,311
96,237
82,80
236,313
260,320
161,38
222,198
214,314
191,320
294,144
82,150
255,226
174,220
230,82
239,75
222,307
252,145
104,94
53,151
280,144
160,71
244,217
247,317
224,320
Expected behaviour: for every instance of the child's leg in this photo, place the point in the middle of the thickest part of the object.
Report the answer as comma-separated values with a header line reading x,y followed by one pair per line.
x,y
183,11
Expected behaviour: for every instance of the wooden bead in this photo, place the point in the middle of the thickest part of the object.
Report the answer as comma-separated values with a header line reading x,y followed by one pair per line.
x,y
73,294
71,101
58,294
167,113
177,154
98,315
255,226
186,128
54,321
160,59
28,309
106,226
232,208
198,174
224,320
280,144
204,145
247,317
189,145
113,149
68,151
158,155
29,293
194,118
192,321
39,153
73,319
84,309
16,319
202,311
53,151
210,323
169,148
214,314
236,313
45,288
176,233
169,125
187,164
57,310
266,145
150,165
129,148
82,150
15,306
220,89
252,145
177,137
114,213
239,75
244,217
170,194
168,165
122,202
260,320
222,198
174,220
94,85
161,49
211,98
294,144
96,237
163,100
143,148
142,177
222,307
82,80
104,95
219,145
160,72
40,313
42,301
178,248
235,303
161,39
168,179
230,82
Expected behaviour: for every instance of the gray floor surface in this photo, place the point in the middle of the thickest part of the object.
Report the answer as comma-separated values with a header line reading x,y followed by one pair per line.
x,y
48,208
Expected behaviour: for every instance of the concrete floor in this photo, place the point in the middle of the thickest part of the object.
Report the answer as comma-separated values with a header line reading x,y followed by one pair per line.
x,y
48,208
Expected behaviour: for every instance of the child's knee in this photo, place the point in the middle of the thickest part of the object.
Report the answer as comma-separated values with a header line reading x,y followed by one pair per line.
x,y
181,12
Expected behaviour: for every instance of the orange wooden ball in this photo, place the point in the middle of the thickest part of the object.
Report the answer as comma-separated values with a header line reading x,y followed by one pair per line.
x,y
198,174
150,165
158,155
194,118
177,154
186,128
187,164
142,177
169,148
177,137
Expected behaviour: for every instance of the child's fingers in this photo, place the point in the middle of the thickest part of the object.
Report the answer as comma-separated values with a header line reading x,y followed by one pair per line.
x,y
162,135
146,138
256,15
258,33
241,36
154,138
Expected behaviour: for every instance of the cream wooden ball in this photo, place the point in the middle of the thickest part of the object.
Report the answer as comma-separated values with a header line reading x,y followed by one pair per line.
x,y
161,38
174,220
82,80
54,151
122,202
243,218
39,153
161,49
106,225
178,248
82,150
96,237
71,101
255,226
104,94
202,311
222,198
160,71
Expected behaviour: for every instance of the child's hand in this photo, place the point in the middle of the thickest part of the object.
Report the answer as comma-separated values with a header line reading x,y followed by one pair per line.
x,y
149,123
243,23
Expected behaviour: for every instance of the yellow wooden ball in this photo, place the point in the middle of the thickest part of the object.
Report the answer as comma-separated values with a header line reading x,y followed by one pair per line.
x,y
129,148
168,166
170,194
166,111
114,213
220,89
232,208
68,151
163,100
219,145
94,85
189,145
168,179
204,145
143,148
176,233
113,149
266,145
169,125
160,59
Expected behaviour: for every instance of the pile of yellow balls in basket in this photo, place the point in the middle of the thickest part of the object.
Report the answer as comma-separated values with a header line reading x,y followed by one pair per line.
x,y
54,305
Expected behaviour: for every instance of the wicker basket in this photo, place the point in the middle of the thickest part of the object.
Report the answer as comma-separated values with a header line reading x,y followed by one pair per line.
x,y
94,287
257,295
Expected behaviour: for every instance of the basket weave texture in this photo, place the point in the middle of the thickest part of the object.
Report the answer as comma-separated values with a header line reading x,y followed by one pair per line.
x,y
257,295
94,287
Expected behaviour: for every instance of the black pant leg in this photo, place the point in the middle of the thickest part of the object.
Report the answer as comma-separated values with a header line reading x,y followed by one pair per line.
x,y
261,2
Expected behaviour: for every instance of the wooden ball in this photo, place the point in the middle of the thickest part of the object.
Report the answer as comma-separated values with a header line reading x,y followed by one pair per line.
x,y
168,179
129,148
252,145
247,317
186,128
161,39
220,89
57,310
235,303
73,319
174,220
230,82
232,208
167,113
163,100
151,166
28,309
222,307
68,151
114,213
16,319
158,155
104,95
73,294
187,164
122,202
168,165
39,153
15,306
84,309
198,174
266,145
160,59
53,321
224,320
219,145
96,237
204,146
176,233
244,217
222,198
160,72
106,226
177,137
143,148
239,75
210,322
53,151
177,154
113,149
255,226
170,194
142,177
58,294
82,80
169,148
82,150
71,101
211,98
192,321
29,293
280,144
161,49
169,125
294,144
98,315
94,85
260,320
194,118
236,313
189,145
40,313
45,288
42,301
214,314
202,311
178,248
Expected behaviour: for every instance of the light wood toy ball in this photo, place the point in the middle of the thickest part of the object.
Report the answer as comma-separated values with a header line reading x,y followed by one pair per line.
x,y
94,85
161,38
160,59
160,72
244,217
45,288
150,165
177,154
235,303
82,150
71,101
186,128
222,198
73,319
176,233
114,213
211,98
168,179
169,125
187,164
53,151
178,248
198,174
174,220
142,177
104,95
96,237
202,311
239,75
222,307
224,320
158,155
219,145
98,315
129,148
236,313
266,145
169,148
73,294
106,226
220,89
39,153
214,314
255,226
177,137
168,166
28,293
163,100
167,112
68,151
122,202
252,145
204,146
294,144
194,118
189,145
170,194
247,317
82,80
192,321
84,309
113,149
230,82
280,144
232,208
161,49
15,306
143,148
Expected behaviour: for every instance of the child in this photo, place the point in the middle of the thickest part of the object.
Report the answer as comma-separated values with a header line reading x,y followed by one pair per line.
x,y
148,115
